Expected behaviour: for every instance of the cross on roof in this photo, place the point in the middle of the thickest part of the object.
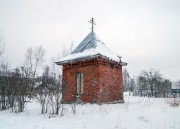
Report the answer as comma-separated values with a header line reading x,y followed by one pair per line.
x,y
93,23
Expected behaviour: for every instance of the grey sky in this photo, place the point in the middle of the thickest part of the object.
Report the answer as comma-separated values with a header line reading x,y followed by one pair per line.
x,y
146,33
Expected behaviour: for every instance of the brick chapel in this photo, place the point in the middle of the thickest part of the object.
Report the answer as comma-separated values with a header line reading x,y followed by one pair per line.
x,y
92,73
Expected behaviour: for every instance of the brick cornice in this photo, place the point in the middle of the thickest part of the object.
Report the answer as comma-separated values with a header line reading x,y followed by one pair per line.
x,y
92,61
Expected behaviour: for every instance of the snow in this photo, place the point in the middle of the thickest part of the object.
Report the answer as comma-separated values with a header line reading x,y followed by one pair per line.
x,y
135,113
89,47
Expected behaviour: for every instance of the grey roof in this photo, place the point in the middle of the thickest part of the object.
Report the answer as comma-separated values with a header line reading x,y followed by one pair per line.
x,y
90,47
90,41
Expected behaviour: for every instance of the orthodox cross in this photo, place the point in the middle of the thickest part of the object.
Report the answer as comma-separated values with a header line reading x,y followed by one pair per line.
x,y
93,23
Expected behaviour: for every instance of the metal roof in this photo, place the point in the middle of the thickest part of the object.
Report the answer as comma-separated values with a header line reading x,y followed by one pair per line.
x,y
90,41
90,47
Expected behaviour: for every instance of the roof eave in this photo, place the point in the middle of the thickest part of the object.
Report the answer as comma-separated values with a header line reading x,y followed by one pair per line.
x,y
76,60
85,58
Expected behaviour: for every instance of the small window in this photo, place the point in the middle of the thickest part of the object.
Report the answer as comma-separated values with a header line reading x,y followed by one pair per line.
x,y
79,83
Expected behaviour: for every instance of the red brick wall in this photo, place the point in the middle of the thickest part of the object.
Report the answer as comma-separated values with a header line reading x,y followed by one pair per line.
x,y
110,79
102,81
90,73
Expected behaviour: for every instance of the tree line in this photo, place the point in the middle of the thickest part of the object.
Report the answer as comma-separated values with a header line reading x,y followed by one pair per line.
x,y
20,85
148,83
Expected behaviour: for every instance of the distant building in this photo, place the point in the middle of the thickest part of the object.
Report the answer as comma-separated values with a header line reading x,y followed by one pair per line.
x,y
92,73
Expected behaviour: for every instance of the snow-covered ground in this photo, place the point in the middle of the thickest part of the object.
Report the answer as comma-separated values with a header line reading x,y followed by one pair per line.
x,y
135,113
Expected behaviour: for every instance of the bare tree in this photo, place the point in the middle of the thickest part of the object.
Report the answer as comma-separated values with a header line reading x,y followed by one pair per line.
x,y
55,73
29,61
42,99
2,46
39,53
126,80
34,59
152,83
165,88
49,92
3,73
14,90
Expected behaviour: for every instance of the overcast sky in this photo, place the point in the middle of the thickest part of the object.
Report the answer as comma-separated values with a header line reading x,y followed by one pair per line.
x,y
146,33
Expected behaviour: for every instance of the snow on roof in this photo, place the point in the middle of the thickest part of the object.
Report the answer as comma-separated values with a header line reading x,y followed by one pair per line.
x,y
90,47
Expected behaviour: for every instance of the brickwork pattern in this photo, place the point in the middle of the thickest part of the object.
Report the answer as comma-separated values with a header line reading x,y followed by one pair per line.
x,y
102,81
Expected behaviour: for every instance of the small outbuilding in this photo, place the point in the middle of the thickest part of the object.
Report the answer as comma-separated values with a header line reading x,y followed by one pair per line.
x,y
92,73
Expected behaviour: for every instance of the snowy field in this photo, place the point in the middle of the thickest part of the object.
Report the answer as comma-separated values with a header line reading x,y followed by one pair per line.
x,y
135,113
